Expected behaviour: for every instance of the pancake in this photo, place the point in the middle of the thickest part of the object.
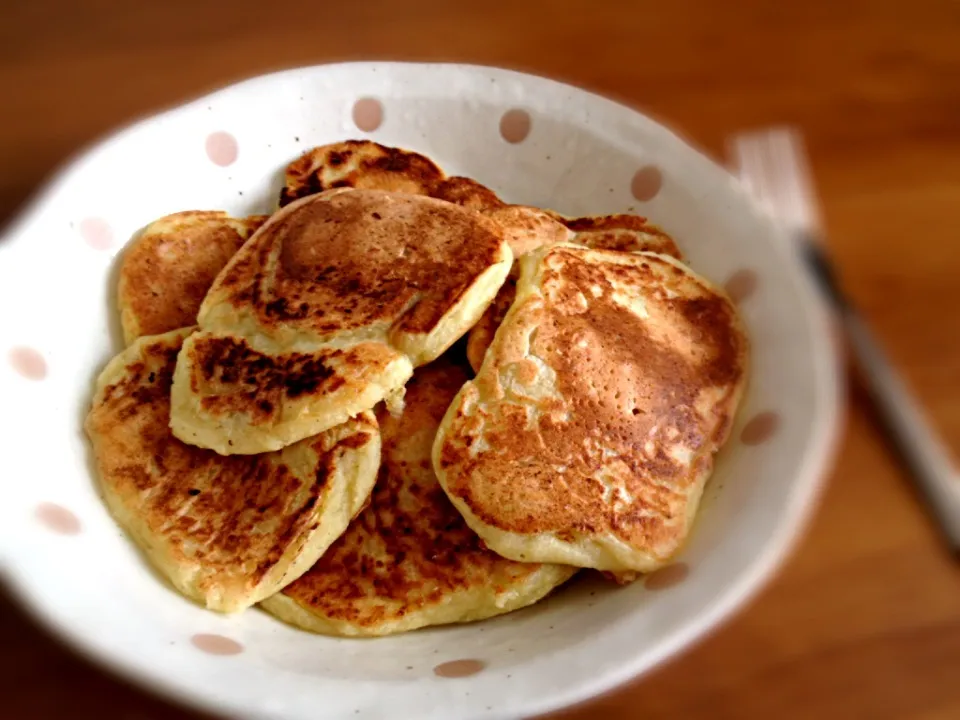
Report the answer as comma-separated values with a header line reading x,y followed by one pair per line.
x,y
361,164
226,532
366,165
409,560
467,193
627,233
589,432
326,311
166,271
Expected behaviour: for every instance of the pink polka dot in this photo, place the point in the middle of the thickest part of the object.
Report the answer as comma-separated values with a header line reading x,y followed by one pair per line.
x,y
515,125
459,668
760,428
216,644
646,183
222,148
58,519
741,285
28,363
96,233
368,114
667,577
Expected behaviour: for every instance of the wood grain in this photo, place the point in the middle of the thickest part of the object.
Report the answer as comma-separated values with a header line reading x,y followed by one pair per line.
x,y
864,620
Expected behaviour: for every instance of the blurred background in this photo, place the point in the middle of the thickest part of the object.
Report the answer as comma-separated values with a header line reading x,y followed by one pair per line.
x,y
864,620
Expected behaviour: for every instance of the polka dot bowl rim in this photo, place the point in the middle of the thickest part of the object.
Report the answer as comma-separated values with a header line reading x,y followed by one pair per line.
x,y
239,678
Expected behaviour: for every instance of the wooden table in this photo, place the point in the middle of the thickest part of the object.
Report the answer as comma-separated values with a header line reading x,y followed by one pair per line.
x,y
864,621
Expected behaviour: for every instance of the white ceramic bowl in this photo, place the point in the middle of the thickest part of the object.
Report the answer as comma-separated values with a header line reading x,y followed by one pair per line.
x,y
568,150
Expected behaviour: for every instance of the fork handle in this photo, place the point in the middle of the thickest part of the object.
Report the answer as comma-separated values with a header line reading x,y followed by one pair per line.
x,y
905,423
912,435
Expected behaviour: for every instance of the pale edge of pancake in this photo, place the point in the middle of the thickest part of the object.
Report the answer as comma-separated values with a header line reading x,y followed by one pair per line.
x,y
600,553
422,349
477,603
348,491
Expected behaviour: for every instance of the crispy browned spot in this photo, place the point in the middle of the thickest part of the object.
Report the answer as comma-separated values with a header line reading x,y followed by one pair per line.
x,y
235,378
410,549
167,271
626,392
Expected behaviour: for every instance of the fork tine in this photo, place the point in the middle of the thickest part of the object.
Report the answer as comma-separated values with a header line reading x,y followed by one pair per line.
x,y
779,155
802,179
755,160
772,166
747,172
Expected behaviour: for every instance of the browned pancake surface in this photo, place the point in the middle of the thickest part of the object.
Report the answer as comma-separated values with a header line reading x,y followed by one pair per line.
x,y
626,233
409,559
590,418
361,164
354,258
166,272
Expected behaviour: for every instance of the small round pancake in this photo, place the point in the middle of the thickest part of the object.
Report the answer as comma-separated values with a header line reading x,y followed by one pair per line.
x,y
166,271
226,532
366,165
589,432
627,233
326,311
409,560
467,193
527,228
361,164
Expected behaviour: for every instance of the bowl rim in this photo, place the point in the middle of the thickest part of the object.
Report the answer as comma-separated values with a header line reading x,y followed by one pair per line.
x,y
809,481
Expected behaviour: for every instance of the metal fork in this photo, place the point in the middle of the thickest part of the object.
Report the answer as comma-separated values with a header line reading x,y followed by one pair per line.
x,y
772,166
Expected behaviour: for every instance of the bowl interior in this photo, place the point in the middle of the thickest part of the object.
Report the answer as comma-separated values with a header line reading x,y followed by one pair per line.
x,y
533,141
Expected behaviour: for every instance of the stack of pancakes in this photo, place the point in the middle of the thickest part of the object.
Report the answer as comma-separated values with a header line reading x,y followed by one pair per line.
x,y
294,422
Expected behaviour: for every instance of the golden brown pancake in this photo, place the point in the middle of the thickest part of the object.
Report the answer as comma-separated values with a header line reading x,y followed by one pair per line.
x,y
166,272
467,193
361,164
589,432
326,311
525,228
627,233
226,532
409,560
364,164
